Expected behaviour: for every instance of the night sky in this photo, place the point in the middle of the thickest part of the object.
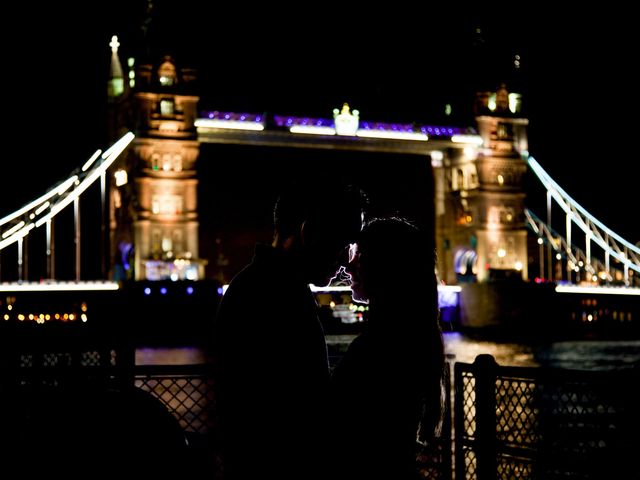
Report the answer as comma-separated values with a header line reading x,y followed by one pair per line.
x,y
398,66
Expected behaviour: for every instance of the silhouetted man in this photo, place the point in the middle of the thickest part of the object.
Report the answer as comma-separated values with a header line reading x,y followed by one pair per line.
x,y
271,355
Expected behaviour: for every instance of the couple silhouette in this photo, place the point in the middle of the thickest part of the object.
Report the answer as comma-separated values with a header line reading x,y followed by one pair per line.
x,y
282,414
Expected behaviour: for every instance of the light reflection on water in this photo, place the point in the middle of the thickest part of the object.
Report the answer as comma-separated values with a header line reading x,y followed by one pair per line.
x,y
572,354
170,356
460,348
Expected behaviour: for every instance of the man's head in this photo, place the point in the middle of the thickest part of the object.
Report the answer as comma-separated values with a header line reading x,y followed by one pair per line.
x,y
316,221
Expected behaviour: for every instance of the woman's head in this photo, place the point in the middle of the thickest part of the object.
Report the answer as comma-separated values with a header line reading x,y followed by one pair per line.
x,y
388,252
392,255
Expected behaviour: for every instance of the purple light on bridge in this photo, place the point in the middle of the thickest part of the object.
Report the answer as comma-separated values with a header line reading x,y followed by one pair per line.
x,y
288,121
237,117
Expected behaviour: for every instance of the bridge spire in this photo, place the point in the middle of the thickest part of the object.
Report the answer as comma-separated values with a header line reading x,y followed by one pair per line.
x,y
116,77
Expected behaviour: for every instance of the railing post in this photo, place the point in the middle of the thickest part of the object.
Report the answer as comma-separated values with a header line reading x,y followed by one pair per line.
x,y
20,260
76,224
485,372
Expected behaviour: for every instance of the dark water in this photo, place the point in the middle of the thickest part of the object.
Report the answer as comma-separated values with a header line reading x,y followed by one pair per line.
x,y
575,354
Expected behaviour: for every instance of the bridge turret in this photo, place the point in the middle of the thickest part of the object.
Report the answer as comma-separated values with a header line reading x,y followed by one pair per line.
x,y
163,218
499,199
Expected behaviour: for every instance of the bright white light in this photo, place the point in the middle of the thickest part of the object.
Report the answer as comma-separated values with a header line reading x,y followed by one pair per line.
x,y
515,99
42,208
58,287
328,289
17,236
13,229
114,151
518,266
312,130
502,253
391,134
64,186
37,201
598,290
449,288
114,44
474,139
568,204
230,124
88,163
436,158
540,241
346,121
121,177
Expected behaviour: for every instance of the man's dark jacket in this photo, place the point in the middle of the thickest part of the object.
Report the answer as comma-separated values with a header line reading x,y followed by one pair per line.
x,y
271,372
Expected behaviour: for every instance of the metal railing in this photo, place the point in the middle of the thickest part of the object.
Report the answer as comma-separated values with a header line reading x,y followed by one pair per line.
x,y
508,422
517,422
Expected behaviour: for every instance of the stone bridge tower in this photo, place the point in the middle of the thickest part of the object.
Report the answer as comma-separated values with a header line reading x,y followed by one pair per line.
x,y
166,149
499,198
482,223
153,194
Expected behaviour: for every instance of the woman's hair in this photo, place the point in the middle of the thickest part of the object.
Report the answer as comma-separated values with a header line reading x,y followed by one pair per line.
x,y
397,264
397,256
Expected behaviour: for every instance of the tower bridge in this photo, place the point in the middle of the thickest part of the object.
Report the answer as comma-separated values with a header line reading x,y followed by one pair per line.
x,y
150,208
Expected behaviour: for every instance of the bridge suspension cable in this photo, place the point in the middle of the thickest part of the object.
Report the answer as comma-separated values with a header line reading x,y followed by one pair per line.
x,y
611,243
15,226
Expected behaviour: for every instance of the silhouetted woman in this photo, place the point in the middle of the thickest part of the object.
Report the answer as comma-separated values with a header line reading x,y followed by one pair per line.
x,y
389,383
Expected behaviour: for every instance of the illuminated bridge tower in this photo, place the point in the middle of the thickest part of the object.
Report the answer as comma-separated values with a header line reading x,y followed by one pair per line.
x,y
498,200
480,226
165,226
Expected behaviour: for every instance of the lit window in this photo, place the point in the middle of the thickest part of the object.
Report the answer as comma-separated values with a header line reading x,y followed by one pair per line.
x,y
155,241
166,204
121,177
167,73
166,162
177,163
166,107
177,240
